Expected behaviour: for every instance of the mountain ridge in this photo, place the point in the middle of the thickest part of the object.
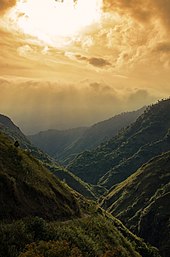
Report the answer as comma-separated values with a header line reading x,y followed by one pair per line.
x,y
8,127
28,189
64,145
116,159
141,202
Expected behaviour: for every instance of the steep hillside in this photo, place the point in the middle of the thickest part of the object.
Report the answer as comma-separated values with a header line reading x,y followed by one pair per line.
x,y
115,160
10,129
64,145
91,236
28,189
55,142
142,202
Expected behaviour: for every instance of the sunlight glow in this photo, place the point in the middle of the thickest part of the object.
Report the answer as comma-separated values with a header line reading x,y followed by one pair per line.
x,y
50,18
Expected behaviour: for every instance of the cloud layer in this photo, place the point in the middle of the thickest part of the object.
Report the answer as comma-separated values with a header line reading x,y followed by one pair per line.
x,y
38,105
119,63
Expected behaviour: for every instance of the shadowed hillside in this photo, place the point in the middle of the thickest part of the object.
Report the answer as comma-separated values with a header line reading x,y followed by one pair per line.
x,y
10,129
28,189
118,158
64,145
141,202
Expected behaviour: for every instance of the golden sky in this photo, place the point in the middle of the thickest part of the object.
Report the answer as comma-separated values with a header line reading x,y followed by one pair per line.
x,y
67,64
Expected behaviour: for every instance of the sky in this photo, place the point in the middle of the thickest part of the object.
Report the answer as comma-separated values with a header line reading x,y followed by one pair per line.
x,y
74,63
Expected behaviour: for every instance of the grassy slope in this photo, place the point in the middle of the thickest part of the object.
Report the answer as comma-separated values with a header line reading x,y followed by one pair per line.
x,y
142,202
27,188
115,160
9,128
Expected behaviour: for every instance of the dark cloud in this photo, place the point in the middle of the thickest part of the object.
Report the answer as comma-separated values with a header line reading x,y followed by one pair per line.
x,y
5,5
138,9
95,61
99,62
143,11
163,47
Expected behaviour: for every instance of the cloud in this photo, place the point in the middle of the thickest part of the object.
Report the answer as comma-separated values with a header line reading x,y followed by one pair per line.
x,y
95,61
143,11
102,87
99,62
5,5
38,105
25,50
118,64
163,47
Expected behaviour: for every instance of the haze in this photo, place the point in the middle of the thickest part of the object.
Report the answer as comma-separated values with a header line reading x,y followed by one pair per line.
x,y
96,59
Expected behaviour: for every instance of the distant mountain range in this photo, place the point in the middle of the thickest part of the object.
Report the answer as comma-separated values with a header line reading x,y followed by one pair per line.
x,y
65,145
115,160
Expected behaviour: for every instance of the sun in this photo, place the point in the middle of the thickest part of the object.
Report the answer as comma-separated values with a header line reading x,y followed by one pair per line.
x,y
47,19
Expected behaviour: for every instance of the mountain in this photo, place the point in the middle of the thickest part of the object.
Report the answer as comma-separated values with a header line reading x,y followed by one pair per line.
x,y
64,145
10,129
141,202
55,142
41,216
28,189
116,159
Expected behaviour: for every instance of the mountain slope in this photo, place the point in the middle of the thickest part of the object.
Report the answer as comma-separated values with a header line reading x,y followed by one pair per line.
x,y
115,160
142,202
28,189
55,142
91,236
10,129
64,145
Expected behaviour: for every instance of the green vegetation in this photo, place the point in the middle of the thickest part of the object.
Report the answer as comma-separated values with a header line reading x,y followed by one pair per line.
x,y
10,129
27,188
89,191
86,237
118,158
141,202
65,145
40,216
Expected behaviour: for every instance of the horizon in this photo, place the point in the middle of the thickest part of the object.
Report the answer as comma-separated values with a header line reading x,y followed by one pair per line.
x,y
65,128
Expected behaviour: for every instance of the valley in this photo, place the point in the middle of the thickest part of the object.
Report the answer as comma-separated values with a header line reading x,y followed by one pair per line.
x,y
101,203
